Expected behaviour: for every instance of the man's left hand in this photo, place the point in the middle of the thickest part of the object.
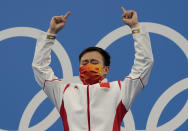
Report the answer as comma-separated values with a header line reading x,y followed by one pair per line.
x,y
130,18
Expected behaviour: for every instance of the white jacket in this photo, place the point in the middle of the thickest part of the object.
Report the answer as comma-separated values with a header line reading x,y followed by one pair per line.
x,y
98,107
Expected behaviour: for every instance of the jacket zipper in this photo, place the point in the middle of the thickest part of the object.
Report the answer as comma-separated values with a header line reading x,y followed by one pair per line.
x,y
88,108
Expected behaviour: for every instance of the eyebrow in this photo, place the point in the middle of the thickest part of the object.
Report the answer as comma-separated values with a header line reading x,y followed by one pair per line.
x,y
94,60
86,60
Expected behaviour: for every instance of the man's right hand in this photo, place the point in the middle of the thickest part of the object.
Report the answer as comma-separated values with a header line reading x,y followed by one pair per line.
x,y
57,23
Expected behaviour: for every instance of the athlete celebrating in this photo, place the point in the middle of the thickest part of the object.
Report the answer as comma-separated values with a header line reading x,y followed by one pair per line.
x,y
95,105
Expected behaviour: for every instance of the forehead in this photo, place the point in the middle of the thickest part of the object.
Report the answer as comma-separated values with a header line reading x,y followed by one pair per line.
x,y
92,55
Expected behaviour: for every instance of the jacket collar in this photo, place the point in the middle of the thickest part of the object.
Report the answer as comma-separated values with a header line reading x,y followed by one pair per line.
x,y
104,83
104,80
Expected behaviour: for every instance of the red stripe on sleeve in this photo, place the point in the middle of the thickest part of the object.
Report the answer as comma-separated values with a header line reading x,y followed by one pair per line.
x,y
63,115
120,113
136,79
66,88
119,83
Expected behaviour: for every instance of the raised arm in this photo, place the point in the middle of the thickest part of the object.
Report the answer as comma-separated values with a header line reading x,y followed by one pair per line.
x,y
43,73
143,61
42,56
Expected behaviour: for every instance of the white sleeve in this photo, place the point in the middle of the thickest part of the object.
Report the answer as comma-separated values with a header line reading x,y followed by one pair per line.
x,y
141,68
44,75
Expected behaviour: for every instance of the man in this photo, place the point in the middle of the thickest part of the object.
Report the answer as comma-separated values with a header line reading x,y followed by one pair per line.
x,y
95,105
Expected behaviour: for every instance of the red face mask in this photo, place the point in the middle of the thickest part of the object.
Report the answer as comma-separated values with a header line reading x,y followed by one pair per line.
x,y
91,74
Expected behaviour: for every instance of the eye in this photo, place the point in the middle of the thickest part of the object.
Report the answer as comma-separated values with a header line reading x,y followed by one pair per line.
x,y
84,62
95,62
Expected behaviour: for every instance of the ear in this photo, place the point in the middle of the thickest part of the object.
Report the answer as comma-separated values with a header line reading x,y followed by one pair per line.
x,y
106,70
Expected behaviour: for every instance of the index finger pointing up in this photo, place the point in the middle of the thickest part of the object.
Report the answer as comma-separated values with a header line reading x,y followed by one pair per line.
x,y
122,8
67,14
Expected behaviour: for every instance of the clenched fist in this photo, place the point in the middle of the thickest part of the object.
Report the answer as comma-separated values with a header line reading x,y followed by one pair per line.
x,y
57,23
130,18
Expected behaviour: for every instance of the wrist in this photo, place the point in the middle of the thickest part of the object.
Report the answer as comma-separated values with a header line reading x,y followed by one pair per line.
x,y
136,25
50,35
51,31
135,29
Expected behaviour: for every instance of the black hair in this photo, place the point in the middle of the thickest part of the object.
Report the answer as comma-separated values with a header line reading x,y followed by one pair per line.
x,y
105,54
